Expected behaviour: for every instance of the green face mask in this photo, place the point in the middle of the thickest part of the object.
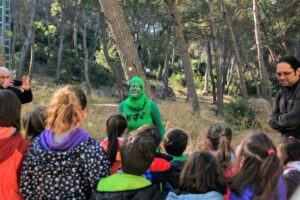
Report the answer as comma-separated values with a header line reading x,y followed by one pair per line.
x,y
135,90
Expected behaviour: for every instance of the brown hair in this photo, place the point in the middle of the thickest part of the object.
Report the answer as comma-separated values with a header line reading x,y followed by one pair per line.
x,y
202,174
138,150
224,148
289,150
115,126
10,109
66,109
260,167
175,141
214,134
34,122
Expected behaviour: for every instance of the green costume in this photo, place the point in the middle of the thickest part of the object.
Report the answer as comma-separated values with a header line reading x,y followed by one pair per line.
x,y
139,110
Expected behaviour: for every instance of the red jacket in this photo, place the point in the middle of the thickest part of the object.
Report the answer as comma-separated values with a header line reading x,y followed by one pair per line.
x,y
114,167
13,148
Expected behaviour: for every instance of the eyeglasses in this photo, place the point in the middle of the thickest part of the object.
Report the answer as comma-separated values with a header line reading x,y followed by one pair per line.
x,y
135,87
4,77
285,74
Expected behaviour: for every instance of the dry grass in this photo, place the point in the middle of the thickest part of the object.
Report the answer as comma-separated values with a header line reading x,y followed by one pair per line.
x,y
174,114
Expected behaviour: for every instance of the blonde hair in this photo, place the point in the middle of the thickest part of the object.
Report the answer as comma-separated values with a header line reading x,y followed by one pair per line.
x,y
66,109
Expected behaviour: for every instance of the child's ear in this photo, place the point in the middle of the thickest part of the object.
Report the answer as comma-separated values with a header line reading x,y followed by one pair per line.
x,y
125,132
207,142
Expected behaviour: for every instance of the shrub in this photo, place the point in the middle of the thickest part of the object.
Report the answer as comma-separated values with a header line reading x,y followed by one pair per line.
x,y
240,115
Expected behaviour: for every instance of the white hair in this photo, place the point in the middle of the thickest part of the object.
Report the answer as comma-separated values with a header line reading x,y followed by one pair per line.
x,y
4,69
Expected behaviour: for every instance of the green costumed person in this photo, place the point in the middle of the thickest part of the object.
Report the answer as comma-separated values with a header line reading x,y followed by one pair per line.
x,y
139,109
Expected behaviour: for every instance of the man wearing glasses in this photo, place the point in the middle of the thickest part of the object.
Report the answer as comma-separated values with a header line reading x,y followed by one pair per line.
x,y
23,91
285,117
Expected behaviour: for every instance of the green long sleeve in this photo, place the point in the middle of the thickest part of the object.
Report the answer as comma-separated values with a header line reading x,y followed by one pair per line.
x,y
156,117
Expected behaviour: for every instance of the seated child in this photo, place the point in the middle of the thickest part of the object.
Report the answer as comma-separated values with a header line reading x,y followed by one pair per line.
x,y
289,154
137,154
201,178
116,127
34,122
13,146
175,143
213,141
259,173
160,170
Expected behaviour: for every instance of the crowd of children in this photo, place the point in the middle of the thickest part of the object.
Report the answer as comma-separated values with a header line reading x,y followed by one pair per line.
x,y
62,161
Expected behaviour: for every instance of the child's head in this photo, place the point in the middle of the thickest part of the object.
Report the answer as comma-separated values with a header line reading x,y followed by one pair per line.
x,y
116,126
34,122
154,132
213,136
10,109
66,110
175,142
202,174
224,148
138,150
260,167
289,150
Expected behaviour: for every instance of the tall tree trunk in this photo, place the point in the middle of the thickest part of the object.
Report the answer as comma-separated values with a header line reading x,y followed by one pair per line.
x,y
26,43
263,72
210,65
127,51
229,76
166,76
254,76
160,72
46,10
216,49
207,73
86,62
199,61
13,50
14,34
61,44
149,65
32,55
186,63
236,50
97,28
116,71
75,30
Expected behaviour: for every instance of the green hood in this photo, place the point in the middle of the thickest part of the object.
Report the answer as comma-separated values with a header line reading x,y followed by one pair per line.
x,y
139,101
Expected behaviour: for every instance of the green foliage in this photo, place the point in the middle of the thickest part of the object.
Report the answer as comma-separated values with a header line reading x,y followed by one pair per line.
x,y
240,115
199,82
177,81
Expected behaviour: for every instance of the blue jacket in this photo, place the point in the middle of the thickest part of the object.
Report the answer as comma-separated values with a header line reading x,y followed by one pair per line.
x,y
206,196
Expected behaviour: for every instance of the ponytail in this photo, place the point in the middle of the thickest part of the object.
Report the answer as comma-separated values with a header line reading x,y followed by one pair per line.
x,y
268,174
260,168
66,110
224,152
115,126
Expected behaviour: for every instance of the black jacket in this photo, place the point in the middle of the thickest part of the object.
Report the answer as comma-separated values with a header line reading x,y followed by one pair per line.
x,y
177,168
150,192
24,96
285,117
292,180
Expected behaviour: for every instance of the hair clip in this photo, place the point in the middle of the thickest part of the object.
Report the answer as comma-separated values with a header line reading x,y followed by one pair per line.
x,y
291,138
271,151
